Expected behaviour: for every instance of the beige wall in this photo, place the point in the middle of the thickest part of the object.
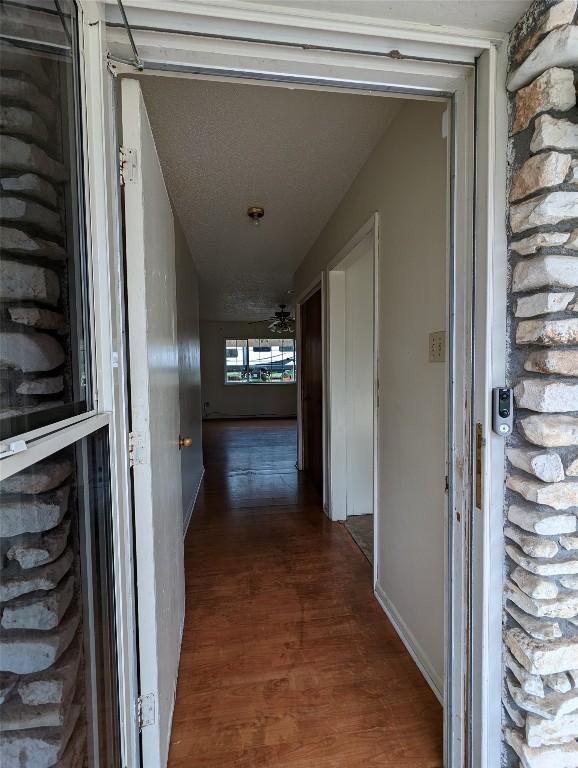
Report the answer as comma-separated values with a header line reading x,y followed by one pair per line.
x,y
405,179
238,400
189,370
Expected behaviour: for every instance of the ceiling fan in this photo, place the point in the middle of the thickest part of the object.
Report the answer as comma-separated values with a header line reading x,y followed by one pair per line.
x,y
281,321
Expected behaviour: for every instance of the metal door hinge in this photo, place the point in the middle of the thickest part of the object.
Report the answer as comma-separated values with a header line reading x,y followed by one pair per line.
x,y
145,710
128,165
136,449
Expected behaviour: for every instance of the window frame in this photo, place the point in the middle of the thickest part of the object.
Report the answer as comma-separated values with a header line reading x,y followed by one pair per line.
x,y
259,383
44,448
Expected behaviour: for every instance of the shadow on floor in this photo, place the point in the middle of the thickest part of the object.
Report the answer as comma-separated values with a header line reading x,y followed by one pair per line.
x,y
361,529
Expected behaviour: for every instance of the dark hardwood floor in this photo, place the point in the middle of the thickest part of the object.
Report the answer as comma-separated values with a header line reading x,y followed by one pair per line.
x,y
288,661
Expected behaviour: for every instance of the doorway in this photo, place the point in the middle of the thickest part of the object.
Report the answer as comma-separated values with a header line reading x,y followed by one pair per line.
x,y
352,387
311,318
311,390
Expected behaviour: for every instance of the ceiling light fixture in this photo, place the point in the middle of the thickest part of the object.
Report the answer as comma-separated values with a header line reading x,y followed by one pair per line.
x,y
282,322
255,213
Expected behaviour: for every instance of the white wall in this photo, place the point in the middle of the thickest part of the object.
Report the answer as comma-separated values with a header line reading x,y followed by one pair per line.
x,y
405,179
238,400
188,334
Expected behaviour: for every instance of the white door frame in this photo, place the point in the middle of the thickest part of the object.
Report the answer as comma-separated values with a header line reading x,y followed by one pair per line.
x,y
335,313
226,41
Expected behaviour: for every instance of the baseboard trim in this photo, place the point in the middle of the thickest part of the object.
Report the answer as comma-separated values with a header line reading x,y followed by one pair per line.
x,y
413,647
192,504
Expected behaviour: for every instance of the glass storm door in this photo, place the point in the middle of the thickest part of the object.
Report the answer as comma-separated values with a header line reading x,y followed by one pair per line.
x,y
58,658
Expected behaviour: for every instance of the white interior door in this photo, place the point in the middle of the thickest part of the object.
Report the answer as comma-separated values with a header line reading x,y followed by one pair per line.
x,y
154,392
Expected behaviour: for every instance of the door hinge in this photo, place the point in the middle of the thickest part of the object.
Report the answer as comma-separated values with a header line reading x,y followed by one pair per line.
x,y
136,449
128,165
145,710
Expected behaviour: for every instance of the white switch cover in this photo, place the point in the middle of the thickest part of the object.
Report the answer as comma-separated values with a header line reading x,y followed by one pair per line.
x,y
437,347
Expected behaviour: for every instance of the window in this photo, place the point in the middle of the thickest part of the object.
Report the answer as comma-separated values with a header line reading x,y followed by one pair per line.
x,y
44,340
259,361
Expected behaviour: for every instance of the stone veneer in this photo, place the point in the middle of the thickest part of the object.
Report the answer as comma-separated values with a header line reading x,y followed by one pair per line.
x,y
41,668
41,640
541,592
35,350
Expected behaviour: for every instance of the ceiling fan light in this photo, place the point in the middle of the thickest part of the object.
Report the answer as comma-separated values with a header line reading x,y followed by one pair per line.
x,y
282,322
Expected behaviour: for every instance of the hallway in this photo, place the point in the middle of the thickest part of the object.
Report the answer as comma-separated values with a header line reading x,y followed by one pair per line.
x,y
288,661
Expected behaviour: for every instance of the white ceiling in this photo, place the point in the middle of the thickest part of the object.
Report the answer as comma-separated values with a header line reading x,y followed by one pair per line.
x,y
489,15
226,146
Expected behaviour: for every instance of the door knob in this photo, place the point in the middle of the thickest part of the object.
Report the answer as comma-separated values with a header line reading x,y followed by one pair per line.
x,y
185,442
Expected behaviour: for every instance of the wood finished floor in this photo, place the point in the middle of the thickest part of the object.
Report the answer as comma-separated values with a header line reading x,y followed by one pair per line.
x,y
288,661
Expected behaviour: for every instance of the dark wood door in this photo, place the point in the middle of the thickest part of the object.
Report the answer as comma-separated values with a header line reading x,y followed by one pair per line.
x,y
312,389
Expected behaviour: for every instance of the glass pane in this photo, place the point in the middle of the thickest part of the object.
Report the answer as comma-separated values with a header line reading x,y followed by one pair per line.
x,y
235,361
44,351
271,361
58,672
287,351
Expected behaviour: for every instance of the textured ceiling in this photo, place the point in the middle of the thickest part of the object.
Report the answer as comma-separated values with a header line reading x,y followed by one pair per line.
x,y
226,146
488,15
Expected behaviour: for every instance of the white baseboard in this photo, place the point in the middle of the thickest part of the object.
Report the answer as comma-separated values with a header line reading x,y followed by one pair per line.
x,y
414,649
192,504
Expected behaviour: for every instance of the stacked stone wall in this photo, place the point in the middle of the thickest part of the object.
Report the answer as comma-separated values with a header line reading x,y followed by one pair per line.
x,y
41,639
541,593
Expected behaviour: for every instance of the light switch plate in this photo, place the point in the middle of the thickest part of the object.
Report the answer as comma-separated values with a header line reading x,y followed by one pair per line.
x,y
437,347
